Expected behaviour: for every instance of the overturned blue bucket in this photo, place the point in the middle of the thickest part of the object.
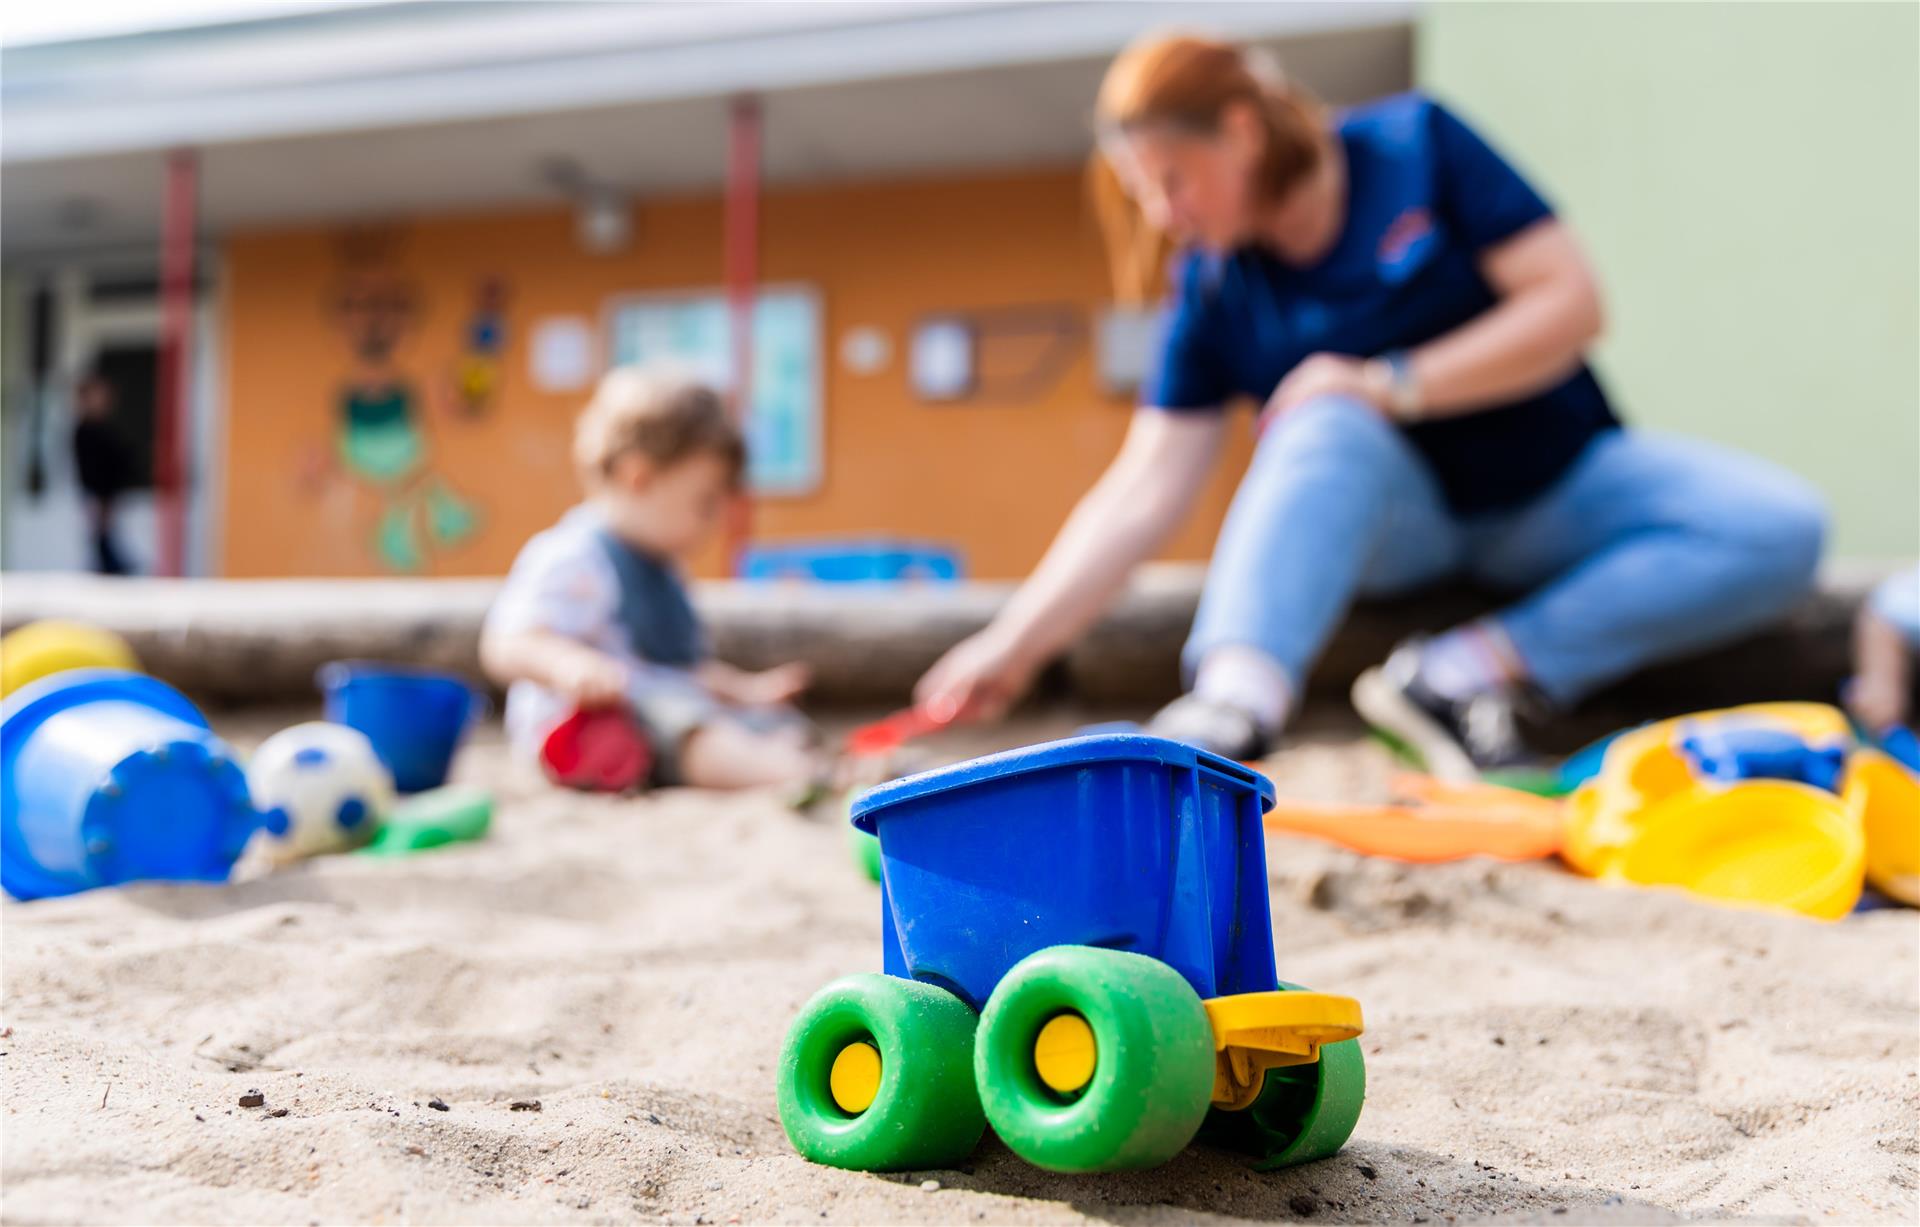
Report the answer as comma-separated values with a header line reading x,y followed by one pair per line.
x,y
415,718
109,777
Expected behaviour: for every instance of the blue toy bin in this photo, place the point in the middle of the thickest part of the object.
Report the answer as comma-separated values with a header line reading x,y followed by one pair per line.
x,y
1119,840
415,718
1733,750
851,562
109,777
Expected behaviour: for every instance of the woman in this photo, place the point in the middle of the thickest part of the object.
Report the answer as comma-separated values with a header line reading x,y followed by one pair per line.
x,y
1414,320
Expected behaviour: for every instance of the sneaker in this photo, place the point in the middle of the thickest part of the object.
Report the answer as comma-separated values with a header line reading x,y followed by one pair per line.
x,y
1213,726
1452,739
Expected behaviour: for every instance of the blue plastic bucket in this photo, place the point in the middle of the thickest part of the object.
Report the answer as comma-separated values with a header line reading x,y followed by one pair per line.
x,y
1118,840
109,777
415,718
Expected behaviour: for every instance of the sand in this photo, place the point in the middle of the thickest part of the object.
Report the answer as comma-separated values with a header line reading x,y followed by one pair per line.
x,y
1540,1049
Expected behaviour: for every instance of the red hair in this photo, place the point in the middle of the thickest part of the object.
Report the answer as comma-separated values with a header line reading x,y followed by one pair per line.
x,y
1182,83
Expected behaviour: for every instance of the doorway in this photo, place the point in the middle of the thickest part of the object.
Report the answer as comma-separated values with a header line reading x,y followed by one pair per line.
x,y
72,322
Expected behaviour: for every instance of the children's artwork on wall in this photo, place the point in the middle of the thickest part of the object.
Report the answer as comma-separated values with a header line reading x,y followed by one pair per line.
x,y
1003,354
783,424
380,438
476,373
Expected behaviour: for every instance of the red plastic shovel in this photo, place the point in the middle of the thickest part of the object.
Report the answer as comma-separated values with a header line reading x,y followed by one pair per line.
x,y
886,735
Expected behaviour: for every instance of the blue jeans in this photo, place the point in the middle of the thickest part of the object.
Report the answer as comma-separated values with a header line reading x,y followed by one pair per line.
x,y
1646,549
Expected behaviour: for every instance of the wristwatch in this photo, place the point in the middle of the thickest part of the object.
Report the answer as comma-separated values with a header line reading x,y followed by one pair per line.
x,y
1394,370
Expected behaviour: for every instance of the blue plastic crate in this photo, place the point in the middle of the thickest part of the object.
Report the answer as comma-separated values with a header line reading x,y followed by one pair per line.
x,y
1119,840
851,562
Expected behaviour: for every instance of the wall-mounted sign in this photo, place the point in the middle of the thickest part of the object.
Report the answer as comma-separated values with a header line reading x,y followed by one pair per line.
x,y
1008,355
560,354
1123,346
940,363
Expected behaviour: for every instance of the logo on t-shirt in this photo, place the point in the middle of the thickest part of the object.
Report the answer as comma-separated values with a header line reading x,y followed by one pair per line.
x,y
1413,224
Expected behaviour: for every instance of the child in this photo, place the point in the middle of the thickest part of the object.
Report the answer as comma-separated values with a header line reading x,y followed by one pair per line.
x,y
1885,638
594,612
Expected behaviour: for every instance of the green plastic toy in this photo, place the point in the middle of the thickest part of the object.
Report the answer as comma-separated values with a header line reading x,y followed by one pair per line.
x,y
866,851
431,820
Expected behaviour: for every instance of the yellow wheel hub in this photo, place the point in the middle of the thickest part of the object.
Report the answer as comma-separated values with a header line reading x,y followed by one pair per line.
x,y
1064,1053
855,1078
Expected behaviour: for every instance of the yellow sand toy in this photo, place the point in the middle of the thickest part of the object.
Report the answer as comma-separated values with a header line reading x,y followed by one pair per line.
x,y
1887,798
1759,805
39,649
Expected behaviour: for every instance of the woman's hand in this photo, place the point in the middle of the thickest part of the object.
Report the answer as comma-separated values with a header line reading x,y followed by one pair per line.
x,y
1324,375
1141,498
979,678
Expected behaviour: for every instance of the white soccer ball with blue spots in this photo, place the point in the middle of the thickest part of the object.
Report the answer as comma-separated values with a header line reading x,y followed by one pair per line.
x,y
319,788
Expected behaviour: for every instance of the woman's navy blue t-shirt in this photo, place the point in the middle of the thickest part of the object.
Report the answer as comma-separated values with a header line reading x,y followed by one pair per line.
x,y
1425,197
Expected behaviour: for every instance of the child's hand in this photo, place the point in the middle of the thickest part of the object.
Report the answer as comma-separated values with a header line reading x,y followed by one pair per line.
x,y
780,684
590,679
1878,702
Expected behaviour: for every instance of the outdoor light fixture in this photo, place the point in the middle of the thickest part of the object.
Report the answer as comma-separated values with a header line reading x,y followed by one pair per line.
x,y
603,222
602,214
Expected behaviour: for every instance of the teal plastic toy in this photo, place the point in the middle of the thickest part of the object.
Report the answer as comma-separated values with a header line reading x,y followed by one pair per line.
x,y
1077,952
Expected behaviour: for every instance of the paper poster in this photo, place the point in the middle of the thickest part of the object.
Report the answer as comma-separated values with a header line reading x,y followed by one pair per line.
x,y
783,424
560,357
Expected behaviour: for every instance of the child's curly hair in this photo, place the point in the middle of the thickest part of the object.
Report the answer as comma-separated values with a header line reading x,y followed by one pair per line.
x,y
660,411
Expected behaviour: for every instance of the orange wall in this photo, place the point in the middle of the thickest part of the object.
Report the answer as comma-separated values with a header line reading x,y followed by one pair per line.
x,y
994,479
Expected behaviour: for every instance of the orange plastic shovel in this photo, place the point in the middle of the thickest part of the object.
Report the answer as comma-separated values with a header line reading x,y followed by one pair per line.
x,y
1437,821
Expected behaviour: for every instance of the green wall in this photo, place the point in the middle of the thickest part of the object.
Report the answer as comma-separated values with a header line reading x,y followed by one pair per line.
x,y
1747,180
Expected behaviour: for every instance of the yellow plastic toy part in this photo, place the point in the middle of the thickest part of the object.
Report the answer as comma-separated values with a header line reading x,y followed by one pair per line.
x,y
1065,1053
41,649
1645,767
854,1080
1256,1032
1886,796
1766,843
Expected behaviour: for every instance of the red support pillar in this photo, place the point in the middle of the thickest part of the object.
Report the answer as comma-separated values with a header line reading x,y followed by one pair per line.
x,y
173,402
742,273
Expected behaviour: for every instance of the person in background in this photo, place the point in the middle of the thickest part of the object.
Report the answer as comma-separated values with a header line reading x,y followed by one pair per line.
x,y
594,612
1886,635
103,462
1412,320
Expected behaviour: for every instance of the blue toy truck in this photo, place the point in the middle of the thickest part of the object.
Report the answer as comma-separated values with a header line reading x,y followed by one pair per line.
x,y
1078,952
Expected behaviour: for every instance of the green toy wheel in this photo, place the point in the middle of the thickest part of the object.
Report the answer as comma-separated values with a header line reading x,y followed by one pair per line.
x,y
1304,1112
1094,1060
877,1075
